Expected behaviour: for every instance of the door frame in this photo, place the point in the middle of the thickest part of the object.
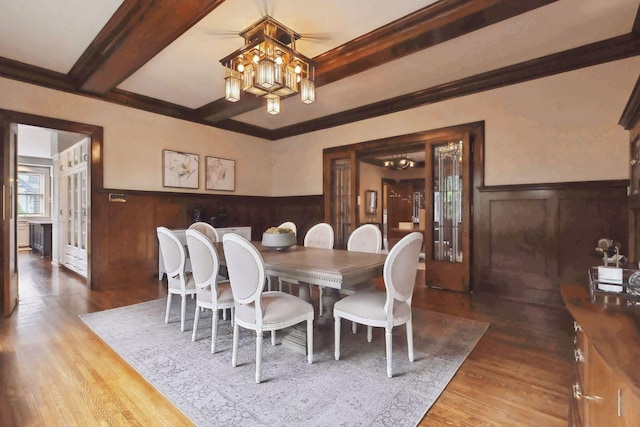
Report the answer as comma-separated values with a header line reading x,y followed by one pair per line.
x,y
402,143
95,133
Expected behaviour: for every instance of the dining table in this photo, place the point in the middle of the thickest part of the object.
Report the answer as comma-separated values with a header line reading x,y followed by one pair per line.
x,y
334,269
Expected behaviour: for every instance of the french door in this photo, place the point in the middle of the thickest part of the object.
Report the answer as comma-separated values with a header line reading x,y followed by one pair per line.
x,y
447,237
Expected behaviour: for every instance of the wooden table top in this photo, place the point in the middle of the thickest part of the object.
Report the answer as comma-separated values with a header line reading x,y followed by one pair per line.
x,y
335,268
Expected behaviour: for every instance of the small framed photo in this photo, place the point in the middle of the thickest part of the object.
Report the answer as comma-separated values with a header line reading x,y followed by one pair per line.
x,y
179,169
220,174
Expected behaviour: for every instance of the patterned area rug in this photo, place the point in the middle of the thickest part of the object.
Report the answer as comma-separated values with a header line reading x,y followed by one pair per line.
x,y
353,391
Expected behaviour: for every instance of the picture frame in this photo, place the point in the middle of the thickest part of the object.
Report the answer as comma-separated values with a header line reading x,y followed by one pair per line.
x,y
220,174
180,169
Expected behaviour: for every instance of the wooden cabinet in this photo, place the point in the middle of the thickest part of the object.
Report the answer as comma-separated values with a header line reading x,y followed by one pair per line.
x,y
73,203
606,383
40,237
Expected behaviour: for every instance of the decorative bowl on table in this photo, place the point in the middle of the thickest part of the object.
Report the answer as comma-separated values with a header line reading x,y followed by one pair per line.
x,y
279,239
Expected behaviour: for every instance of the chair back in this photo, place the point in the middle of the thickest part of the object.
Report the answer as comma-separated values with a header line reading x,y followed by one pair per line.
x,y
246,270
204,261
290,225
319,236
366,238
400,269
206,229
172,252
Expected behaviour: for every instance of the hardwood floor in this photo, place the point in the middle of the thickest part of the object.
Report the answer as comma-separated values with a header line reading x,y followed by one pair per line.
x,y
55,372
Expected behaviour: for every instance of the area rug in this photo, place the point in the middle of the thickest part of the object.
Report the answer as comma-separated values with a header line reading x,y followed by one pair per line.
x,y
353,391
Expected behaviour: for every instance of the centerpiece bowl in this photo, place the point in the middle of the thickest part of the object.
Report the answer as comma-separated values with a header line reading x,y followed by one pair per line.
x,y
279,239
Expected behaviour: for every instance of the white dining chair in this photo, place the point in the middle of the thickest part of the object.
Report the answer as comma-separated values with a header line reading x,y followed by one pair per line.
x,y
389,308
206,229
366,238
320,236
256,310
290,225
179,281
211,293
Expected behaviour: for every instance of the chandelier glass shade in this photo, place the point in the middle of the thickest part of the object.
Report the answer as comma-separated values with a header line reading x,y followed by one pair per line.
x,y
269,65
399,163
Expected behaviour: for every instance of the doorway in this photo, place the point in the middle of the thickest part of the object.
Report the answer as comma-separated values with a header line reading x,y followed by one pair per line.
x,y
23,201
428,181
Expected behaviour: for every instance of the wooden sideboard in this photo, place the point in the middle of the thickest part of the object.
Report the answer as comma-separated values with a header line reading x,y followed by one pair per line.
x,y
606,383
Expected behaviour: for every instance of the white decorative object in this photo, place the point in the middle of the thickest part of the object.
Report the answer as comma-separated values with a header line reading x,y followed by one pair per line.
x,y
611,275
279,241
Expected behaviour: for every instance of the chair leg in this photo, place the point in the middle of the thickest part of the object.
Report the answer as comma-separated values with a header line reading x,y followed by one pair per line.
x,y
310,340
320,308
387,336
166,316
273,337
183,312
258,356
224,314
354,327
410,340
214,330
196,317
234,351
369,333
336,328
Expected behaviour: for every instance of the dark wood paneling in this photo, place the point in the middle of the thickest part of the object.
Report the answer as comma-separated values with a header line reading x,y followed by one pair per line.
x,y
124,234
532,238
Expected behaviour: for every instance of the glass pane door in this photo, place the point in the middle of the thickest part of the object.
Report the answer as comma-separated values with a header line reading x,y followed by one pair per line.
x,y
341,197
448,244
447,202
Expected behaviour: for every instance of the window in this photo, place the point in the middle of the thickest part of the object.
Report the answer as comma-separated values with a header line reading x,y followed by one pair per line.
x,y
31,192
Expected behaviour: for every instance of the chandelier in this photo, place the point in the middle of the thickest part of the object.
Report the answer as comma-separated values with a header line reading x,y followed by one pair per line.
x,y
268,65
399,163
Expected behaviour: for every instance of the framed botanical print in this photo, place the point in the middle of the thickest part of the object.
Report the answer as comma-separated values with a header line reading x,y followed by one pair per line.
x,y
220,174
179,169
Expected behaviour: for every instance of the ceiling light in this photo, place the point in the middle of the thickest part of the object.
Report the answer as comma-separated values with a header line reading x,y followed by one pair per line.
x,y
399,163
268,65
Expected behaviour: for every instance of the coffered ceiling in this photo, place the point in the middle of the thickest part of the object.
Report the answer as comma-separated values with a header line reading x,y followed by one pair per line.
x,y
373,57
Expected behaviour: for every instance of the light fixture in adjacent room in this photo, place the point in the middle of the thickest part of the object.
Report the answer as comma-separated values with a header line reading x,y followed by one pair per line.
x,y
269,65
399,163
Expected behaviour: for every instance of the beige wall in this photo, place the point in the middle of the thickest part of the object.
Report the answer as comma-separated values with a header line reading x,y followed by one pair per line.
x,y
134,139
560,128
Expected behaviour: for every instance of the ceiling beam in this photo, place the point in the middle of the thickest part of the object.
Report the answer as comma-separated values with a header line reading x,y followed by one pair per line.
x,y
434,24
612,49
137,32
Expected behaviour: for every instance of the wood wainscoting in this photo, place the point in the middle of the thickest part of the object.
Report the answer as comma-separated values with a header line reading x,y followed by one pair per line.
x,y
529,239
124,242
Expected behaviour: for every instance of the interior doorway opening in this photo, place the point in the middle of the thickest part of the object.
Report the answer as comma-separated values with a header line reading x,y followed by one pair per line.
x,y
59,208
52,195
427,180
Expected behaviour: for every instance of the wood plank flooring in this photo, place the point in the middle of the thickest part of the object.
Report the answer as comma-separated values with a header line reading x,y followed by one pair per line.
x,y
55,372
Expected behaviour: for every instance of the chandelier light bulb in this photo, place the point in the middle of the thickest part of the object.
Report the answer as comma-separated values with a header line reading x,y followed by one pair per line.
x,y
298,68
241,67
